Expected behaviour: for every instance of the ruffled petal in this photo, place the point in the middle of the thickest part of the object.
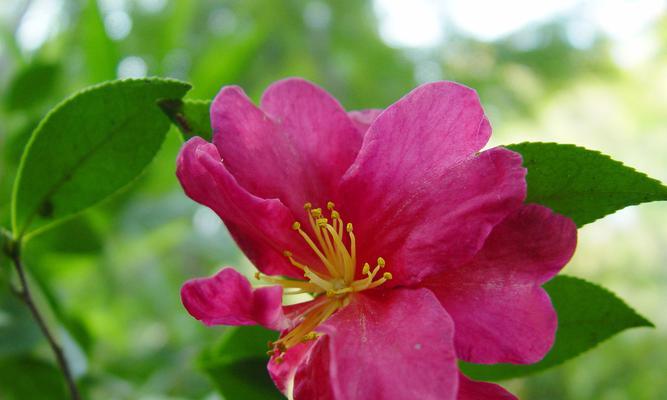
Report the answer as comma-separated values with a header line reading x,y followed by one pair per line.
x,y
431,128
394,344
362,119
437,221
474,390
261,227
227,298
295,148
500,311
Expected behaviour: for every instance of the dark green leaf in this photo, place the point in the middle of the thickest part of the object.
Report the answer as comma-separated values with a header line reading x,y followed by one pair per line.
x,y
237,364
30,378
587,315
88,147
190,116
583,184
32,85
74,236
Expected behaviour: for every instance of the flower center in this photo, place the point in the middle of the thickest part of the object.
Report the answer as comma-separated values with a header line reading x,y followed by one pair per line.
x,y
334,244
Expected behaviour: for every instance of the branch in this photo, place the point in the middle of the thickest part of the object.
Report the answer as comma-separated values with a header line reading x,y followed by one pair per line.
x,y
13,250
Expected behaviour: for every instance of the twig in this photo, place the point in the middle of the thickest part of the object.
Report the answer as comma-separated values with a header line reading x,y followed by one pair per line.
x,y
23,292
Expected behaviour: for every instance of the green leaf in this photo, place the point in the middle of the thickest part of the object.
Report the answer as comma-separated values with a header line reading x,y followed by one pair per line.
x,y
32,85
87,148
30,378
237,364
583,184
587,315
239,52
190,116
100,53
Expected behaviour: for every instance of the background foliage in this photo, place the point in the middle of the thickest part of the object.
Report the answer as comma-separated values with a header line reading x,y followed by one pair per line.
x,y
110,277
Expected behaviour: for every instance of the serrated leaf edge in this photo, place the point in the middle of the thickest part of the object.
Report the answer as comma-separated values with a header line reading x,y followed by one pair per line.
x,y
512,147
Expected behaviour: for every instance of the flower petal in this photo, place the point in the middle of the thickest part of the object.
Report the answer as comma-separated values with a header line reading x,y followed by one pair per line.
x,y
392,344
261,227
474,390
295,148
500,311
431,128
282,372
227,298
439,220
362,119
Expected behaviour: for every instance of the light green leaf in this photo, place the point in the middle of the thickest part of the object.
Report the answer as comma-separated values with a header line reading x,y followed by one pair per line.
x,y
190,116
237,364
587,315
32,85
87,148
583,184
100,53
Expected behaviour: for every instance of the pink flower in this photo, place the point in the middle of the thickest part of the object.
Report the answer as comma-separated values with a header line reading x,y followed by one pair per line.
x,y
417,249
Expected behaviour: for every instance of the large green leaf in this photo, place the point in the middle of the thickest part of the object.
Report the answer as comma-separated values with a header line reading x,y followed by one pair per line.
x,y
583,184
587,315
190,116
88,147
237,364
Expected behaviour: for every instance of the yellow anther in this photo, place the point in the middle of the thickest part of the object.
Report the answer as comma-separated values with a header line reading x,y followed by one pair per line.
x,y
332,281
310,336
257,275
366,270
279,359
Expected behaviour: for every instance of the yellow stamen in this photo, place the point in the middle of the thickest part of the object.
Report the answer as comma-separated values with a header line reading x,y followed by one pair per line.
x,y
338,281
325,260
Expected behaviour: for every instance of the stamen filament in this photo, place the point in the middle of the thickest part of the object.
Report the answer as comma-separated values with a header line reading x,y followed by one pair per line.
x,y
313,215
345,259
325,261
289,283
353,244
319,281
338,282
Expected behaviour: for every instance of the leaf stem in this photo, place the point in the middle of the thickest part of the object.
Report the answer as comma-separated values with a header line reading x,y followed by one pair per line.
x,y
13,250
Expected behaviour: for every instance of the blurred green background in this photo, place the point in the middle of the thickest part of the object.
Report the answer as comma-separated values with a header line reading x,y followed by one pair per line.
x,y
592,73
